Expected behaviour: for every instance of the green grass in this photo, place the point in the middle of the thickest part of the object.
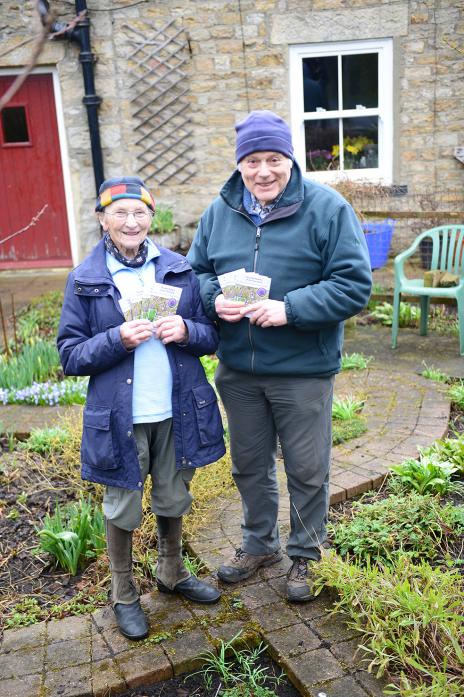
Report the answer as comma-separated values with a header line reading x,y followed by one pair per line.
x,y
408,617
432,373
237,670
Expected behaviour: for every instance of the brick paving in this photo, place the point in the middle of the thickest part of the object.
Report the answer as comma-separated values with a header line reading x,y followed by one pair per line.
x,y
86,656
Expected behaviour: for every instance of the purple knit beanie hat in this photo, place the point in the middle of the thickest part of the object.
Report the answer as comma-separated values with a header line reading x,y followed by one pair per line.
x,y
263,130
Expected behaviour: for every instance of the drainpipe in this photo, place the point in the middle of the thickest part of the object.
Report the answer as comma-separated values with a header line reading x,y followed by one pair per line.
x,y
81,35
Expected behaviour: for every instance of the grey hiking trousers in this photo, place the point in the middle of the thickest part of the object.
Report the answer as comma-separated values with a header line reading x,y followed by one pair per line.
x,y
299,411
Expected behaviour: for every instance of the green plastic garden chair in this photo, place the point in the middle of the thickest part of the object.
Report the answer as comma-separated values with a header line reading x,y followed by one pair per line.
x,y
447,255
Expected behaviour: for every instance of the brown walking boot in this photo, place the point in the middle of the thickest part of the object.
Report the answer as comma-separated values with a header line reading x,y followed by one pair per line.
x,y
299,580
242,565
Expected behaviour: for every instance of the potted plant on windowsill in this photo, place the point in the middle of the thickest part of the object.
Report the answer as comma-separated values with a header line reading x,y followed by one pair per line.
x,y
163,229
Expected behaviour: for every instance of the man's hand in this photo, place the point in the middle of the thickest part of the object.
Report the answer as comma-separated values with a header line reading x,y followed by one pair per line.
x,y
135,332
172,328
228,310
266,313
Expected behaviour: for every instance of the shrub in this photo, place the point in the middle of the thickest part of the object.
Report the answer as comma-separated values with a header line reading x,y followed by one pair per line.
x,y
412,525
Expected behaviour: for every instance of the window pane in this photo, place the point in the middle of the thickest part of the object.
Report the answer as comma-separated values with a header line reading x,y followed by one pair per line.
x,y
322,145
360,142
14,125
320,83
360,81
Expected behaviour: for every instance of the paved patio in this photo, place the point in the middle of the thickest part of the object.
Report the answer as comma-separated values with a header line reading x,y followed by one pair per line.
x,y
86,656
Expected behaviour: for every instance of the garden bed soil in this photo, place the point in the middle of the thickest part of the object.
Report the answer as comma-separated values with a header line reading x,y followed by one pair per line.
x,y
194,685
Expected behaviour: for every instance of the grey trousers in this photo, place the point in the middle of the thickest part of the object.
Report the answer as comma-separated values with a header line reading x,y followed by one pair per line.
x,y
170,495
299,411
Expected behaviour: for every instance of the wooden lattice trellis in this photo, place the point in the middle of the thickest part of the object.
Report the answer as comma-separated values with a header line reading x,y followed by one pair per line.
x,y
160,87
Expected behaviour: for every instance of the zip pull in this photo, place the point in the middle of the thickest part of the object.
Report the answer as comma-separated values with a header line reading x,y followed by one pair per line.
x,y
257,239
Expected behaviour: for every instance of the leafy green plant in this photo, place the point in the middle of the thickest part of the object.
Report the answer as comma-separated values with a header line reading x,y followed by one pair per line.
x,y
46,440
456,394
409,618
37,362
73,534
409,315
162,222
435,374
237,670
209,364
347,408
448,450
413,525
355,361
24,613
427,475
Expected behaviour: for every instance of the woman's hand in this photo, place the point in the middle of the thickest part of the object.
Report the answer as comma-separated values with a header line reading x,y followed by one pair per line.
x,y
172,328
135,332
228,310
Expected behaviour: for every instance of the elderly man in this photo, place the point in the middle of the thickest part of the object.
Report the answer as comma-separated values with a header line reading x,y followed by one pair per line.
x,y
278,357
149,408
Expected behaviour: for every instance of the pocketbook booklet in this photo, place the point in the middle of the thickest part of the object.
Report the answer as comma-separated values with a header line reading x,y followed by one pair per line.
x,y
158,300
245,286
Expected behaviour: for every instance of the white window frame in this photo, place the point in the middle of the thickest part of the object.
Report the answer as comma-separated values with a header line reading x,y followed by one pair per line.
x,y
384,49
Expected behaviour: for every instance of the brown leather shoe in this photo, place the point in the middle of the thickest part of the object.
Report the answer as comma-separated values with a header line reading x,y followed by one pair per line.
x,y
242,565
299,580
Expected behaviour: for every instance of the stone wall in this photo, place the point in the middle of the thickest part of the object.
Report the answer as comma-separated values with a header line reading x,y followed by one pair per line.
x,y
235,58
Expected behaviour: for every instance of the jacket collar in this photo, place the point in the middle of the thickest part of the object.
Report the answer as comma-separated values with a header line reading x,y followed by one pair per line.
x,y
291,200
94,269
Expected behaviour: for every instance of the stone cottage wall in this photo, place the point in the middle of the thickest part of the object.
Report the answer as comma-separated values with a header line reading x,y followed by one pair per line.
x,y
233,57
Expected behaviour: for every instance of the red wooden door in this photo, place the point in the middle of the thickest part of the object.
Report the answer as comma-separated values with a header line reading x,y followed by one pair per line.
x,y
31,176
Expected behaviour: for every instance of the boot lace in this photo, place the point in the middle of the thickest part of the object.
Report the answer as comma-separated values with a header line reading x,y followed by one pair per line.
x,y
239,554
300,569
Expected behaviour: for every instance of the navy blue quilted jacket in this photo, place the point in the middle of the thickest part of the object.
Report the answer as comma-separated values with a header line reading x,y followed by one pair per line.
x,y
89,343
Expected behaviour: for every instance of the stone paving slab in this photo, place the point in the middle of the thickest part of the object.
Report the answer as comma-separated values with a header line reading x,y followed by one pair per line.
x,y
88,657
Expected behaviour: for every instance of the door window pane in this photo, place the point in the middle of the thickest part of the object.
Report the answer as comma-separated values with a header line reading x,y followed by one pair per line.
x,y
360,80
361,142
320,83
14,125
322,145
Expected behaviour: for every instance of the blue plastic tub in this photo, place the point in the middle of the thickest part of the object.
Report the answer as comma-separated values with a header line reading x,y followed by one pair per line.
x,y
378,238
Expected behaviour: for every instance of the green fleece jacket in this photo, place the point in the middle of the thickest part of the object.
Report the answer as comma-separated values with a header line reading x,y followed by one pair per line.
x,y
313,248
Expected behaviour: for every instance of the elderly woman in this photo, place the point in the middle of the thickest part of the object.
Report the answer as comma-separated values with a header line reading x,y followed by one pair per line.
x,y
149,408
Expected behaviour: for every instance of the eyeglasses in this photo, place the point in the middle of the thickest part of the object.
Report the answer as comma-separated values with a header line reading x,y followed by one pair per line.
x,y
122,216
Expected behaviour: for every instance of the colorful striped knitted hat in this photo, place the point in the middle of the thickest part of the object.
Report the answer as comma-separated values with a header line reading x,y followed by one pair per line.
x,y
123,187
